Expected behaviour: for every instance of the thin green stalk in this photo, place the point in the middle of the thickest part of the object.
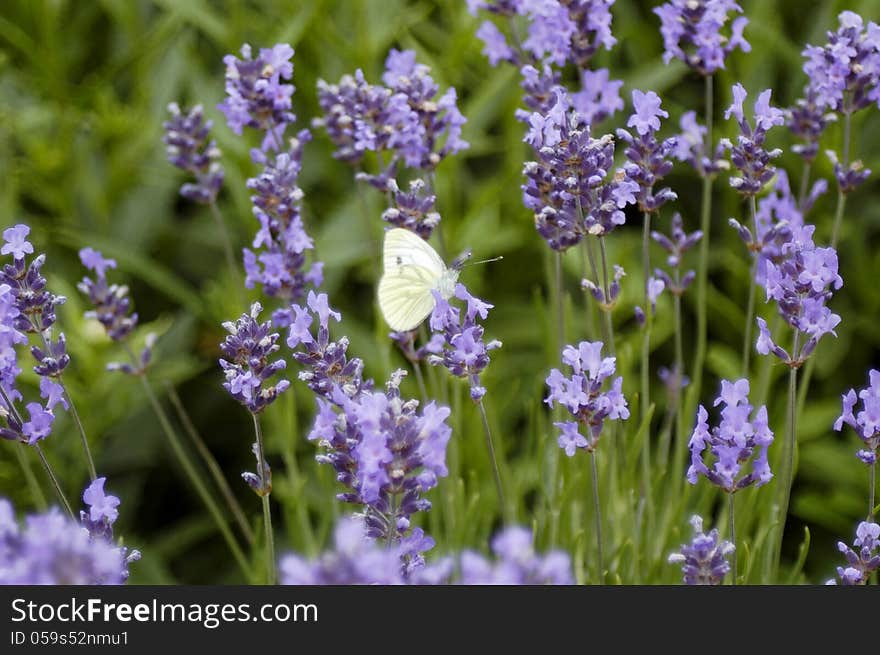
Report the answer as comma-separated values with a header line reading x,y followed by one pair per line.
x,y
841,197
560,310
30,478
591,257
228,252
646,337
787,477
589,305
191,472
873,483
55,484
750,309
731,527
609,326
703,264
493,460
90,462
10,407
267,511
420,379
597,509
210,462
805,186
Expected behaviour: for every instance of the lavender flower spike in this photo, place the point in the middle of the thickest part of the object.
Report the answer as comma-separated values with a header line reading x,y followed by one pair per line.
x,y
866,423
704,560
188,147
862,562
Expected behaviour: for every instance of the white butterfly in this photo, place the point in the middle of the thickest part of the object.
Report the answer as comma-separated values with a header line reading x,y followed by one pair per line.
x,y
413,269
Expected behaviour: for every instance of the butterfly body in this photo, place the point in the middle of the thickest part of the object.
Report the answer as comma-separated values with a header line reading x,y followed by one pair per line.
x,y
412,272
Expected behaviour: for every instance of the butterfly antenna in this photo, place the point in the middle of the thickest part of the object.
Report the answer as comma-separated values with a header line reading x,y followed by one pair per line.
x,y
484,261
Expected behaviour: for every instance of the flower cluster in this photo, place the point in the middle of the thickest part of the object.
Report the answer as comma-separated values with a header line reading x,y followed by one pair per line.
x,y
52,549
357,559
404,119
692,32
282,240
865,561
704,560
675,247
112,305
648,158
188,147
748,155
385,451
248,349
739,437
607,301
327,366
582,394
866,423
567,187
457,341
844,74
257,95
102,512
807,120
413,210
691,147
801,283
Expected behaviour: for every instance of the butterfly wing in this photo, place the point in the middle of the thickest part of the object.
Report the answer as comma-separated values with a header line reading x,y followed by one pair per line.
x,y
412,271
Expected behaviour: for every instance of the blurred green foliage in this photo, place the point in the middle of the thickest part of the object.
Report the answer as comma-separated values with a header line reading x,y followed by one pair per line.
x,y
83,91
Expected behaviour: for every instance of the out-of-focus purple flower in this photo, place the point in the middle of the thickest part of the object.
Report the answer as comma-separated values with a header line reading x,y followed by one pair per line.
x,y
585,396
704,559
15,242
187,146
862,562
281,243
386,452
606,303
647,157
247,350
801,283
737,439
112,304
516,563
691,147
102,512
843,73
599,97
257,96
34,303
849,177
52,549
748,155
866,422
413,210
676,245
568,186
495,45
462,350
692,32
807,120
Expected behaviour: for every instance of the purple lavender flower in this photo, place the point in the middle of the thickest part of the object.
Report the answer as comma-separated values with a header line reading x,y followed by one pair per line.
x,y
51,549
691,147
247,367
516,563
102,512
748,155
189,148
866,423
608,302
801,283
256,95
326,363
704,560
15,242
261,481
112,304
692,32
739,437
864,561
282,241
849,177
413,209
599,97
583,396
567,186
34,303
676,246
457,342
843,74
386,452
807,120
648,158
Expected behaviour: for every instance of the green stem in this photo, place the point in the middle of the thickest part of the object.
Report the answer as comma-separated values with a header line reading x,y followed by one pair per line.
x,y
731,526
560,311
228,252
787,477
493,460
33,485
609,326
55,484
210,461
873,483
805,185
646,337
597,512
750,309
35,488
703,264
420,379
841,197
191,472
267,511
591,257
